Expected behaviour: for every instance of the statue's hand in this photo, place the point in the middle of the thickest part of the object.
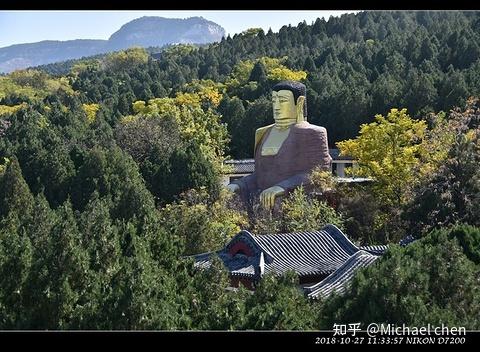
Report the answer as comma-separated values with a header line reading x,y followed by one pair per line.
x,y
233,187
267,197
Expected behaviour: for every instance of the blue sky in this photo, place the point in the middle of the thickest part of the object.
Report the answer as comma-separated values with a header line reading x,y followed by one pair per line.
x,y
18,27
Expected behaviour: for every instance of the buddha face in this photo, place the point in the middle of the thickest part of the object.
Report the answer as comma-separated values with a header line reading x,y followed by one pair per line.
x,y
284,109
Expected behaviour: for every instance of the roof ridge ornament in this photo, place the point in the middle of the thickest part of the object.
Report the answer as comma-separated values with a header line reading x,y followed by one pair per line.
x,y
261,265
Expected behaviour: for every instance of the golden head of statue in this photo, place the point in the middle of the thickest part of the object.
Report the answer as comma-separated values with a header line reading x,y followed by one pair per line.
x,y
286,151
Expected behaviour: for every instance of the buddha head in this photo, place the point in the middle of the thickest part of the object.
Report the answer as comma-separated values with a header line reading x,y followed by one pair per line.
x,y
289,103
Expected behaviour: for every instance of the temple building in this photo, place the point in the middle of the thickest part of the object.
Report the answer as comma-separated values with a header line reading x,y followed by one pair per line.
x,y
324,260
238,169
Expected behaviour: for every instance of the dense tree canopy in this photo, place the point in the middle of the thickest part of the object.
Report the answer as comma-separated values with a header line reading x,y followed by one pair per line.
x,y
110,167
452,192
355,66
431,281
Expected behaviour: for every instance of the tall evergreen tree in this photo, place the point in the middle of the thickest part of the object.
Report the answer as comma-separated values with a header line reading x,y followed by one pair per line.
x,y
15,196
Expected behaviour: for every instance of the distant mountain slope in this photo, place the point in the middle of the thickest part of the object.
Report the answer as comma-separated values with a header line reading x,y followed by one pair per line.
x,y
144,32
158,31
25,55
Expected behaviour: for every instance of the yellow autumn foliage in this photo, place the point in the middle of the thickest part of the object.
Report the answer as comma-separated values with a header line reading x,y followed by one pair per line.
x,y
9,110
274,68
91,111
389,150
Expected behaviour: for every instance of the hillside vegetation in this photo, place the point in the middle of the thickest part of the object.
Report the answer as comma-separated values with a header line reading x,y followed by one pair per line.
x,y
109,177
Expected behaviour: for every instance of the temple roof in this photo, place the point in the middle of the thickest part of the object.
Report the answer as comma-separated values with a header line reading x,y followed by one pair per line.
x,y
338,281
308,253
327,254
375,249
241,166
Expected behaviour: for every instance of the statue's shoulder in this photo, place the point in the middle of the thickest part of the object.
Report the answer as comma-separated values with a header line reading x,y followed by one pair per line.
x,y
309,129
259,133
262,130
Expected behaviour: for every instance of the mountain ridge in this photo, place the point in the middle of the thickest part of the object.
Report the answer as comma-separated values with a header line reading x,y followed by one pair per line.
x,y
146,31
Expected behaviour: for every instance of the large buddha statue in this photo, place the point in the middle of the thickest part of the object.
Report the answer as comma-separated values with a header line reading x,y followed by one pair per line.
x,y
286,151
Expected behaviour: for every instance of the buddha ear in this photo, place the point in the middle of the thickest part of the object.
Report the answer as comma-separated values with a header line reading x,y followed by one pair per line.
x,y
300,102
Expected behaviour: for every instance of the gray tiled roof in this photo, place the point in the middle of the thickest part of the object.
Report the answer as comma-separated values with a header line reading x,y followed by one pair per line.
x,y
327,252
307,253
339,280
377,249
241,166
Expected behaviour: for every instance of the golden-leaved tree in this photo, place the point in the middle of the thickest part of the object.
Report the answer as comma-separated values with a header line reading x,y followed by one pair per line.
x,y
274,68
193,111
398,153
126,58
388,150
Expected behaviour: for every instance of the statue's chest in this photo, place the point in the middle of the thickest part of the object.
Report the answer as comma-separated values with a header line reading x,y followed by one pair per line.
x,y
274,141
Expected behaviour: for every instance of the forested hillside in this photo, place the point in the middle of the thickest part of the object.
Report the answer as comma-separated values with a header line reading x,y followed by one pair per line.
x,y
356,65
109,176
